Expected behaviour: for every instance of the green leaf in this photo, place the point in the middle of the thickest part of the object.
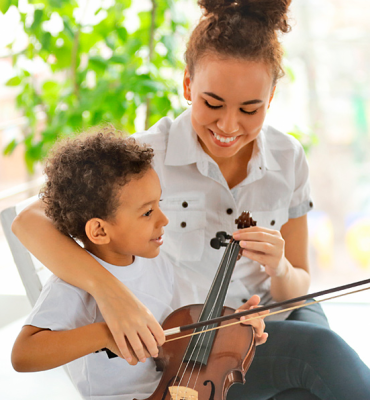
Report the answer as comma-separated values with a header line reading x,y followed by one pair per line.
x,y
122,34
119,59
37,19
5,4
45,41
98,62
15,81
10,147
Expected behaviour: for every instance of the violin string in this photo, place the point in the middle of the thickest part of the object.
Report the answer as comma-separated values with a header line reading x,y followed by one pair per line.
x,y
210,315
273,313
201,336
228,261
183,359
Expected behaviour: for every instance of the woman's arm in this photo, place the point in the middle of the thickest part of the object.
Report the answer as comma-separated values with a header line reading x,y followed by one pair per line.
x,y
39,349
284,255
125,315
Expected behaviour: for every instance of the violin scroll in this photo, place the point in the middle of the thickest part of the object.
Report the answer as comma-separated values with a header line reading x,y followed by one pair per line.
x,y
245,220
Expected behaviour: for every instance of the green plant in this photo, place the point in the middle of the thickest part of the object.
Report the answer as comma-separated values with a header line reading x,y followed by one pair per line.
x,y
305,136
99,70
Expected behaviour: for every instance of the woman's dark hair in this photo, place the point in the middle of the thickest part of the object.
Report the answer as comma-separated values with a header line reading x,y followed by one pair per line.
x,y
84,175
245,29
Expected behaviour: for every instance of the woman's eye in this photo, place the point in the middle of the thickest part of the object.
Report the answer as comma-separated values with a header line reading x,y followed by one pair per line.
x,y
210,106
248,112
147,214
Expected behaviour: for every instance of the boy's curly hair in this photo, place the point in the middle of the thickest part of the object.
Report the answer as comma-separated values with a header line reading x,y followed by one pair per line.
x,y
84,175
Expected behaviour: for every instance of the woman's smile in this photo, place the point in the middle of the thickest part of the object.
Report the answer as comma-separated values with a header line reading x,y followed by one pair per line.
x,y
223,141
230,101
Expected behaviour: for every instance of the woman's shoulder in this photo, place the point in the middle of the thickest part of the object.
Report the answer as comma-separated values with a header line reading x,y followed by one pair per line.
x,y
157,135
280,141
282,144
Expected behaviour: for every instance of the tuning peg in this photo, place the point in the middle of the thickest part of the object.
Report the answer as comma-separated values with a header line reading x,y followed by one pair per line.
x,y
223,236
220,240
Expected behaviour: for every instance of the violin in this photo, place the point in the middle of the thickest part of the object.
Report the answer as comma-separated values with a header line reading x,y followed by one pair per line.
x,y
205,365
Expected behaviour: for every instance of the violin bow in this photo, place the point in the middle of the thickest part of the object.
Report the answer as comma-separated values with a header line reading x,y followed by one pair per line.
x,y
267,307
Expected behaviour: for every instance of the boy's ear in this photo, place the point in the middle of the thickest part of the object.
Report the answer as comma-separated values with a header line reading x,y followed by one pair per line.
x,y
96,231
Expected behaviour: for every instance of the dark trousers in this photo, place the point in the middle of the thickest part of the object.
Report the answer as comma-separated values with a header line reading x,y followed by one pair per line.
x,y
304,360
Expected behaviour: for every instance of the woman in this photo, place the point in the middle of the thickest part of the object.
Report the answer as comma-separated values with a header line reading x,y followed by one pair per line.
x,y
214,161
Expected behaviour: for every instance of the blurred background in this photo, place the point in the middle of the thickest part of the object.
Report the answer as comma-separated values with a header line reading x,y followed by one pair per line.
x,y
66,65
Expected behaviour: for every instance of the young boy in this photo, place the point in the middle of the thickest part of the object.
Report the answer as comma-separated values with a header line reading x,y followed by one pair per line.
x,y
102,191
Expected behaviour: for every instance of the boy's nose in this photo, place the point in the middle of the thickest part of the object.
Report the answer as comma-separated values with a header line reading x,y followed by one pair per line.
x,y
163,219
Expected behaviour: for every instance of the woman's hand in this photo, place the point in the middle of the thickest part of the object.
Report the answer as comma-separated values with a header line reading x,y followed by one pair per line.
x,y
266,246
257,323
135,331
112,346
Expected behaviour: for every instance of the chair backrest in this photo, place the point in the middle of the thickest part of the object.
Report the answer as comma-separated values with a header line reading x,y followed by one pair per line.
x,y
32,272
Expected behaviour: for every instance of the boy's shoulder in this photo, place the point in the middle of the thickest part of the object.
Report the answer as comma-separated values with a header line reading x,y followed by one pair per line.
x,y
160,264
60,305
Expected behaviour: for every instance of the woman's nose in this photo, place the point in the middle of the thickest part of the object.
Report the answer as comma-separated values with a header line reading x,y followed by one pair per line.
x,y
228,123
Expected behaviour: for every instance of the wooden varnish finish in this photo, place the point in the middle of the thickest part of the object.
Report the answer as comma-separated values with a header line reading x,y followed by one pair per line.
x,y
231,356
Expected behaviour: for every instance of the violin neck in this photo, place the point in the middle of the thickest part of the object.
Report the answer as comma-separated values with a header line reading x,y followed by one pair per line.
x,y
214,304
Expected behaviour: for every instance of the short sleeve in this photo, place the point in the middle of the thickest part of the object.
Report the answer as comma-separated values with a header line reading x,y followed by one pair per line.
x,y
61,306
301,201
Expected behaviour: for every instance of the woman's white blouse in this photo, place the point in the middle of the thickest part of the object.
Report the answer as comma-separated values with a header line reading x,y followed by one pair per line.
x,y
199,203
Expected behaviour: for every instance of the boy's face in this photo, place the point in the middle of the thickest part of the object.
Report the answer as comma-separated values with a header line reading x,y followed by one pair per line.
x,y
137,227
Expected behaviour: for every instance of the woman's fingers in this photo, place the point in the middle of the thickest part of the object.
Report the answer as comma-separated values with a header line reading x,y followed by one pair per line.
x,y
265,246
253,301
133,327
123,348
257,323
262,339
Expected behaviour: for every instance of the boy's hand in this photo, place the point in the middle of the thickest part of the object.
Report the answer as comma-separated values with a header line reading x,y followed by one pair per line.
x,y
266,246
258,323
129,321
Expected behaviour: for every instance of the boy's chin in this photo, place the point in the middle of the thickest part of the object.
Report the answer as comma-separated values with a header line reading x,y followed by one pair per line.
x,y
150,254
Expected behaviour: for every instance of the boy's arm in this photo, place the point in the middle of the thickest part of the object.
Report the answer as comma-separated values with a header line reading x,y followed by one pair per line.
x,y
39,349
125,315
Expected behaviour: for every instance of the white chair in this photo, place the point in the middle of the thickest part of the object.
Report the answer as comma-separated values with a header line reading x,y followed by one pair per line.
x,y
31,271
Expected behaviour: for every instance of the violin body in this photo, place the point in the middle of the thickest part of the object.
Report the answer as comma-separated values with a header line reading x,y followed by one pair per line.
x,y
232,353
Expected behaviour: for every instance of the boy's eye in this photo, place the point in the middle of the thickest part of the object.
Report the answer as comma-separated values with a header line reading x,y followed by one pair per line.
x,y
147,214
210,106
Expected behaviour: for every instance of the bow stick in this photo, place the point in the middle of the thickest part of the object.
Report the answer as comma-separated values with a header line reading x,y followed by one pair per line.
x,y
268,307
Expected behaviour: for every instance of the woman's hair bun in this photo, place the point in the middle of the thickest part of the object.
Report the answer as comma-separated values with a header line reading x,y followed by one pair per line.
x,y
272,12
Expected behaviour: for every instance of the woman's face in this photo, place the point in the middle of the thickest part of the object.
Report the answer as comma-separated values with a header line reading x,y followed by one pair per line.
x,y
230,99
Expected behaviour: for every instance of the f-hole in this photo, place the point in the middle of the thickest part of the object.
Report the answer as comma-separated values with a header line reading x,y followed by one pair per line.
x,y
212,396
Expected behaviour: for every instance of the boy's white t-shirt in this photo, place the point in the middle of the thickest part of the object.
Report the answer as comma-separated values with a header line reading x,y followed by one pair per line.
x,y
62,307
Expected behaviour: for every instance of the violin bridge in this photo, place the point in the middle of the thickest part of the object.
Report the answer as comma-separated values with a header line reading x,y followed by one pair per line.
x,y
182,393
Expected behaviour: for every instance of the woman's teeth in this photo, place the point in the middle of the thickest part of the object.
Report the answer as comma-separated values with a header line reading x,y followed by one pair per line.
x,y
224,139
